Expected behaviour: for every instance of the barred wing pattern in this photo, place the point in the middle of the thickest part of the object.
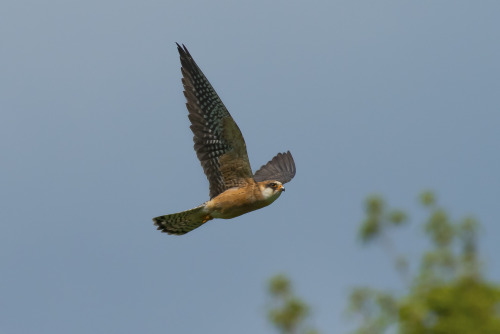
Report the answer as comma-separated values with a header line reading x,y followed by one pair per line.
x,y
218,141
280,168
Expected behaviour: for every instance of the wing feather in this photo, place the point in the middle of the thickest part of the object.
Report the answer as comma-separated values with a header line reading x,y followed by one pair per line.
x,y
280,168
218,141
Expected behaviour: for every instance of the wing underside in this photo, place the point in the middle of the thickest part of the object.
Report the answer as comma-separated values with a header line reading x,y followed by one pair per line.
x,y
218,141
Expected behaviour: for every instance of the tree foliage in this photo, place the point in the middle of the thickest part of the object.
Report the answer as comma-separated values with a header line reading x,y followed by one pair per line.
x,y
288,312
446,294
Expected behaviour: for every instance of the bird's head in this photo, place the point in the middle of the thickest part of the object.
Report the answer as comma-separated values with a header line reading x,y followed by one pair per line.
x,y
271,190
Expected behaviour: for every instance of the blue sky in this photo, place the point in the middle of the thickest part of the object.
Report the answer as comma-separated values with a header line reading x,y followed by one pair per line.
x,y
389,97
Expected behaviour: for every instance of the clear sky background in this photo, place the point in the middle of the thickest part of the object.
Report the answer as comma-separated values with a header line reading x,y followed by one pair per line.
x,y
389,97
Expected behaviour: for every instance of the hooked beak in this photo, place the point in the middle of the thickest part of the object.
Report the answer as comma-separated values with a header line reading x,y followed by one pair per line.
x,y
282,188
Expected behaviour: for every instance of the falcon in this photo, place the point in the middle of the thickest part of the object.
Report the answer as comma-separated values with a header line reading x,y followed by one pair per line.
x,y
221,149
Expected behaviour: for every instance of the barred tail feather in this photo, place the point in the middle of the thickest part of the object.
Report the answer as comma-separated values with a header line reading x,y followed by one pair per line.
x,y
182,222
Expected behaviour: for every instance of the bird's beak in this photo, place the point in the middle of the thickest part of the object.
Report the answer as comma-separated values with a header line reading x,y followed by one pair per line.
x,y
282,188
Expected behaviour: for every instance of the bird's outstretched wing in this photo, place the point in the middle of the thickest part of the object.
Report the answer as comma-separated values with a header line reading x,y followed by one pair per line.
x,y
280,168
218,142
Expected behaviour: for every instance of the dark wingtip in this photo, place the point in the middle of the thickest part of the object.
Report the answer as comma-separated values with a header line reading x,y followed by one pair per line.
x,y
183,51
280,168
187,60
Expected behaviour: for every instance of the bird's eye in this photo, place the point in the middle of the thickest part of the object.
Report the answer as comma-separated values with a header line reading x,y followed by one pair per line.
x,y
272,185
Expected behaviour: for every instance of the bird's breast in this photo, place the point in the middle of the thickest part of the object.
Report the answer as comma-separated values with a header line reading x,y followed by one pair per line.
x,y
235,202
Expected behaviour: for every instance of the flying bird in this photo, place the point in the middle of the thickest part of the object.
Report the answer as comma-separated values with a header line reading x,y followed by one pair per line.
x,y
221,149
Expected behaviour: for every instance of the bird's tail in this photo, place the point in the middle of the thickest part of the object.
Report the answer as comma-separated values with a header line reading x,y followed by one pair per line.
x,y
182,222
